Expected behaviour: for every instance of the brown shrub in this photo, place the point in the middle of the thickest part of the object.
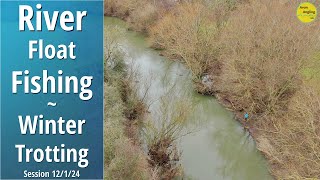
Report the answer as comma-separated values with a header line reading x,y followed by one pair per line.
x,y
141,14
143,17
187,32
122,154
121,8
264,49
129,163
292,141
161,134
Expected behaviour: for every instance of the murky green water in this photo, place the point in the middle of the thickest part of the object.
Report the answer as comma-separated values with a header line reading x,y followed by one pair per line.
x,y
218,148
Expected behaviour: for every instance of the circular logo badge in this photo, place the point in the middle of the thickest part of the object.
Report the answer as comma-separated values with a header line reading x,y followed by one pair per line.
x,y
306,12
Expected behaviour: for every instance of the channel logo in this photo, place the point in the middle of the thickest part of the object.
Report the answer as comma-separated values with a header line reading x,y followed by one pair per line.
x,y
306,12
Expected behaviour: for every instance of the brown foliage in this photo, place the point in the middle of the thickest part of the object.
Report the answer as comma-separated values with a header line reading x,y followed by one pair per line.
x,y
143,17
263,50
124,158
129,163
188,32
141,14
161,135
120,8
292,141
165,155
263,62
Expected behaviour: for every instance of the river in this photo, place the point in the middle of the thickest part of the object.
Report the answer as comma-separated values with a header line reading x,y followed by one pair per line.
x,y
218,147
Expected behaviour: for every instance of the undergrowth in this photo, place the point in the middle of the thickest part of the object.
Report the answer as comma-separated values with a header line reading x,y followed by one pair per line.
x,y
260,58
124,159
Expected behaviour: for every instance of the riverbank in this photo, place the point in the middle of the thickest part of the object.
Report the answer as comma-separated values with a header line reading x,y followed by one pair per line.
x,y
136,147
124,157
283,108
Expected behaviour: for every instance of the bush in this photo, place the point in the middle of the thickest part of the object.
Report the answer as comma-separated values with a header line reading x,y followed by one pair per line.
x,y
123,158
269,67
264,59
161,135
263,56
120,8
189,32
143,17
293,140
129,163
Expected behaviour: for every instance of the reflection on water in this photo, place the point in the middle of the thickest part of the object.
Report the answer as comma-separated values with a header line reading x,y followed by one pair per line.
x,y
218,148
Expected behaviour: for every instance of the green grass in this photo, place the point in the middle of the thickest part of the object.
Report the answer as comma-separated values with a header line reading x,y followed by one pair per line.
x,y
312,74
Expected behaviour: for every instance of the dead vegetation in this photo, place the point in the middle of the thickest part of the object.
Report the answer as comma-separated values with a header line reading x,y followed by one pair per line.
x,y
187,33
141,14
262,60
263,57
291,141
162,133
263,63
125,109
124,158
